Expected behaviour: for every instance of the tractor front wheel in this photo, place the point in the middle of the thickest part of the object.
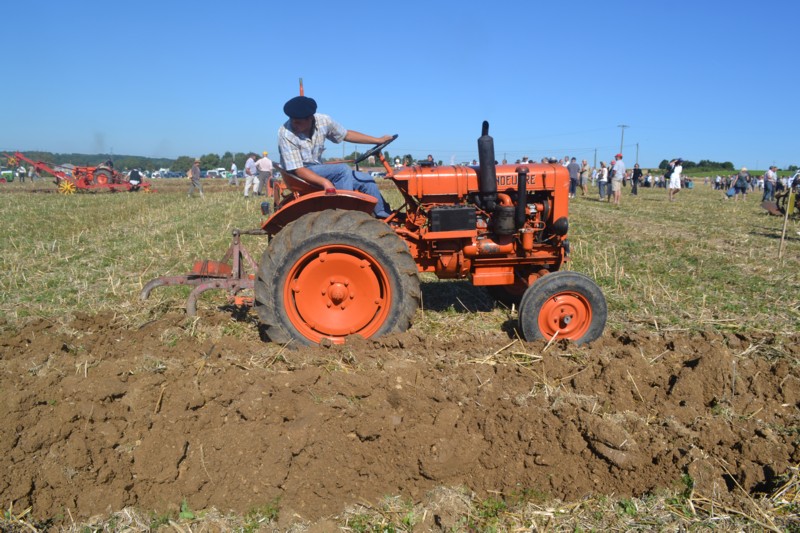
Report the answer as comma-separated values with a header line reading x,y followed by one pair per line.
x,y
563,305
336,273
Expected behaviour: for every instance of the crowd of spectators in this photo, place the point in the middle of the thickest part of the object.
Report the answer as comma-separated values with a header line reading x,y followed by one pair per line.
x,y
609,178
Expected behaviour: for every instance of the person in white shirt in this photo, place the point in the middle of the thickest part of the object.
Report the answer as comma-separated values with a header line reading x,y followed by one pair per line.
x,y
602,180
675,178
264,166
233,179
770,180
250,176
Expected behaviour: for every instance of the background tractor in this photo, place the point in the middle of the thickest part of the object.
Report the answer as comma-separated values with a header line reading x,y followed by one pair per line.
x,y
78,178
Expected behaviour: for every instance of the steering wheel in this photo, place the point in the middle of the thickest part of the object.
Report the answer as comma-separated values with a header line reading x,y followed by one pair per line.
x,y
375,150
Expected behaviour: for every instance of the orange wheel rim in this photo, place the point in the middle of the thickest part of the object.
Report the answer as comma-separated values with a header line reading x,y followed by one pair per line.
x,y
567,313
335,291
102,179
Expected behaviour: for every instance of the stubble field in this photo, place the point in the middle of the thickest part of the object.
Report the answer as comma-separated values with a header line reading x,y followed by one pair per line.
x,y
121,414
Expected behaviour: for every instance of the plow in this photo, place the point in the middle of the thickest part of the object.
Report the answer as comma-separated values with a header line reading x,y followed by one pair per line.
x,y
331,269
787,201
82,178
234,273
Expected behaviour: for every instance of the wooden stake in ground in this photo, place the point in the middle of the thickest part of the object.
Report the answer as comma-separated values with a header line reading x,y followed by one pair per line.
x,y
789,205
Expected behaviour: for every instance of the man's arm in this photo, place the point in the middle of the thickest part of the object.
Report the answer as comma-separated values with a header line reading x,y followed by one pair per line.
x,y
360,138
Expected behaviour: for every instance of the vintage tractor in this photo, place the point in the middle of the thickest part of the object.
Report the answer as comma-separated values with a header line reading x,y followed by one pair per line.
x,y
332,270
101,177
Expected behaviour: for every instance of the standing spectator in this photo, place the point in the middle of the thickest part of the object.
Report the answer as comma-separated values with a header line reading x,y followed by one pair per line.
x,y
584,177
250,176
194,176
602,180
616,181
635,179
264,166
574,170
611,164
740,184
674,185
21,173
233,179
770,179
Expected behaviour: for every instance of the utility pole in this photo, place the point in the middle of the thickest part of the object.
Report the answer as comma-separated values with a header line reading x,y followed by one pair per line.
x,y
637,153
622,138
595,158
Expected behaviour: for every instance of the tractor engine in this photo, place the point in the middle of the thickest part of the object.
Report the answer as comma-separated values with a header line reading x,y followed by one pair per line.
x,y
497,225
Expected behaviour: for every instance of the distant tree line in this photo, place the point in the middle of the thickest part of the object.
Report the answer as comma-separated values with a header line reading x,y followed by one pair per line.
x,y
92,160
181,164
706,165
702,165
210,161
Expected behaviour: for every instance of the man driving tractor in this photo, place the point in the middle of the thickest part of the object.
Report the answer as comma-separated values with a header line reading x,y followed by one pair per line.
x,y
301,141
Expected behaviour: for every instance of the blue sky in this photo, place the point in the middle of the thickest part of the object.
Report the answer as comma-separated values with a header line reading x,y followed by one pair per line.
x,y
167,78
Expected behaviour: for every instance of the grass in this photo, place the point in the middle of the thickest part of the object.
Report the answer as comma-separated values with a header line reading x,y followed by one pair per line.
x,y
701,262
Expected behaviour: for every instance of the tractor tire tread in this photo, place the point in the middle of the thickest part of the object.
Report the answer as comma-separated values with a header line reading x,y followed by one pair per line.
x,y
353,223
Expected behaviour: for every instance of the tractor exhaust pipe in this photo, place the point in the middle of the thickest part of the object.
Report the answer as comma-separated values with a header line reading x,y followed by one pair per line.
x,y
487,180
522,196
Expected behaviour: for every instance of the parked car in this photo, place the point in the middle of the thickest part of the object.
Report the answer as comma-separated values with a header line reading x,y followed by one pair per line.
x,y
213,173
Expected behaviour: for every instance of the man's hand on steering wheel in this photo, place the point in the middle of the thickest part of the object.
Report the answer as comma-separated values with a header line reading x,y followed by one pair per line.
x,y
378,148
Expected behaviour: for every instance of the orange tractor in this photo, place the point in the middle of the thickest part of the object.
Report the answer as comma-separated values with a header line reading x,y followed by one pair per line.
x,y
82,178
332,270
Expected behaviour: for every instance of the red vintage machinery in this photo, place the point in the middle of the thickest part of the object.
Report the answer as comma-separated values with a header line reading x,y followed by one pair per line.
x,y
332,270
102,177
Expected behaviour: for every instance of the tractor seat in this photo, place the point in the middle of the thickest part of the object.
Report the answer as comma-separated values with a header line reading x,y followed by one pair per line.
x,y
295,183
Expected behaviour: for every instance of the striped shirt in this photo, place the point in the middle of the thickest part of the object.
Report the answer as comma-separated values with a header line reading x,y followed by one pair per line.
x,y
300,150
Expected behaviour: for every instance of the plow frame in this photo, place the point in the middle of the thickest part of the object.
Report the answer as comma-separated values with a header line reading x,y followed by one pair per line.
x,y
234,273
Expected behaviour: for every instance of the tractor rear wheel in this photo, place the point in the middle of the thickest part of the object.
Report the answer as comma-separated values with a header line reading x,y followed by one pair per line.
x,y
336,273
564,305
101,177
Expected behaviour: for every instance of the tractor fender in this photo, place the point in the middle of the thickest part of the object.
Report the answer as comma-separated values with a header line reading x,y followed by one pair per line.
x,y
318,201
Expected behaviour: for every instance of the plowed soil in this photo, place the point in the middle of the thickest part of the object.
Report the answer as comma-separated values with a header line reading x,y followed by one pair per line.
x,y
97,417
